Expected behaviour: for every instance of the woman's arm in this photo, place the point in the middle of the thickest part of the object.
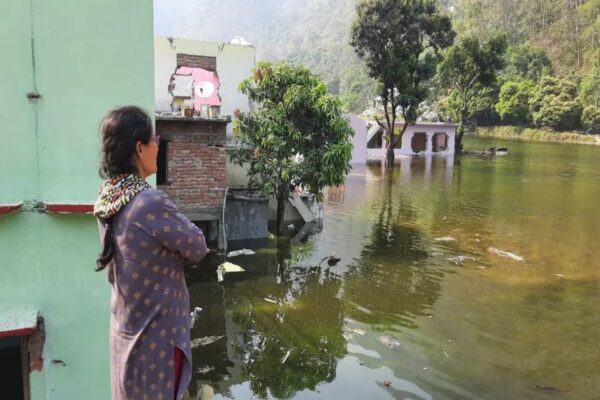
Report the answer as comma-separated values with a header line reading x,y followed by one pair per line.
x,y
160,218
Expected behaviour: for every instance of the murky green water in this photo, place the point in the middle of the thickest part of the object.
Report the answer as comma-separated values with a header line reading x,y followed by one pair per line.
x,y
406,316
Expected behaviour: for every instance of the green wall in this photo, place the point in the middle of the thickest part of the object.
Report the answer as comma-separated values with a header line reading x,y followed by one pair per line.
x,y
90,56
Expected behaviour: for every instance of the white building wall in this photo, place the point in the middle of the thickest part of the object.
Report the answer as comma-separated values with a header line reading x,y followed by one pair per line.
x,y
234,64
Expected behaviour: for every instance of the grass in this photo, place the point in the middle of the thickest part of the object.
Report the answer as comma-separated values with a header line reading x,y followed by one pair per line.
x,y
515,132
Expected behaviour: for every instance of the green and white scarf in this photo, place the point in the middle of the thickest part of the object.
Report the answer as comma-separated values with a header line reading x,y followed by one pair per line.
x,y
116,192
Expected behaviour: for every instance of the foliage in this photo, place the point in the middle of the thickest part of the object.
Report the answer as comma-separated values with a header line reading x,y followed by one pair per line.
x,y
468,73
297,136
513,132
590,119
399,41
590,86
524,62
513,102
555,103
566,30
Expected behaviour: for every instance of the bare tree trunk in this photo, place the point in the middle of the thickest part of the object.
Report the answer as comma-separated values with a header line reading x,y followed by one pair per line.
x,y
281,198
390,157
458,146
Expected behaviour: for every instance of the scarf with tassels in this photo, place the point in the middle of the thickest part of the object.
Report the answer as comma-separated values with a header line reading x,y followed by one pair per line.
x,y
116,192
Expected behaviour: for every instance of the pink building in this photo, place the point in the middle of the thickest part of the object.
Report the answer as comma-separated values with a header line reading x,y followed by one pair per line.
x,y
423,138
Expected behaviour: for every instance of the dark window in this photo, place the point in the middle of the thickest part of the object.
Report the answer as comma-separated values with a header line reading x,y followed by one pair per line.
x,y
11,368
162,163
376,141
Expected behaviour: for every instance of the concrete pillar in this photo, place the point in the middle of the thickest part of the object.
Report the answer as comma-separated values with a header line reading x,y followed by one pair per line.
x,y
429,144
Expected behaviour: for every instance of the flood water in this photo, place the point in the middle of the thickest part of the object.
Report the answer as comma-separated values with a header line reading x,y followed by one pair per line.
x,y
424,304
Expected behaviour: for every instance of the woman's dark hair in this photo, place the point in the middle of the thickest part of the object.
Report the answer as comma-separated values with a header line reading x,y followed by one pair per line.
x,y
121,129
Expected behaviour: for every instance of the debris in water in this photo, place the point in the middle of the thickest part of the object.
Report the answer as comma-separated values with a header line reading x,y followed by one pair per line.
x,y
559,275
387,383
506,254
358,331
285,357
331,261
205,369
227,268
242,252
425,368
291,227
445,239
207,392
205,341
193,315
390,341
270,300
461,259
551,389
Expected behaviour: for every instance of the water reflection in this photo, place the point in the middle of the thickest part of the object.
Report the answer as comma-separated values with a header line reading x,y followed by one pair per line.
x,y
418,307
391,281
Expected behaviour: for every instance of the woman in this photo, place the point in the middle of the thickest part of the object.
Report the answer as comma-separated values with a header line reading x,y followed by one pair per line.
x,y
145,241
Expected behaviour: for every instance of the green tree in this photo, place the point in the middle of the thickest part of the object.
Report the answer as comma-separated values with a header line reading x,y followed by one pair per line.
x,y
513,102
297,136
468,73
399,40
590,119
524,62
590,86
555,103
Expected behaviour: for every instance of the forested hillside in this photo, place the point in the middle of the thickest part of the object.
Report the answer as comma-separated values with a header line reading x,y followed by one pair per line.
x,y
316,33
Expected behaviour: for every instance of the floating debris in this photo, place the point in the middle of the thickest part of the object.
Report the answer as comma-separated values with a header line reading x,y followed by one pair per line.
x,y
387,383
227,268
461,259
242,252
506,254
559,275
285,357
551,389
390,341
194,314
358,331
445,239
271,300
205,369
207,392
331,261
205,341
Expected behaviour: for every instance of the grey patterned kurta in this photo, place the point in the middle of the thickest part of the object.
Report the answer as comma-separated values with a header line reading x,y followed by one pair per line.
x,y
149,300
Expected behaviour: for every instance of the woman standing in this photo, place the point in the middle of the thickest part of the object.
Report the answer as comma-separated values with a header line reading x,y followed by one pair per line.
x,y
145,240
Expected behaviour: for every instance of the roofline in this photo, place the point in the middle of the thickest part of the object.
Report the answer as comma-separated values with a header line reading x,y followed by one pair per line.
x,y
421,123
204,41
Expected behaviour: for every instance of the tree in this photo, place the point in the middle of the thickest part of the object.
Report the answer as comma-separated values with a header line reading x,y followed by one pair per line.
x,y
555,104
590,119
590,86
400,40
297,137
513,102
468,72
526,63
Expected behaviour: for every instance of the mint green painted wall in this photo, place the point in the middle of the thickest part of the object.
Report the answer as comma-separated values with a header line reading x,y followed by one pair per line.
x,y
16,115
90,56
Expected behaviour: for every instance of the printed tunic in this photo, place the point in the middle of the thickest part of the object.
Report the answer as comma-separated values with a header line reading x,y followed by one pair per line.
x,y
150,313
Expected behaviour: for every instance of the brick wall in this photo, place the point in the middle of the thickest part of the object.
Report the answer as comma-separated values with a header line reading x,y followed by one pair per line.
x,y
194,61
197,160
